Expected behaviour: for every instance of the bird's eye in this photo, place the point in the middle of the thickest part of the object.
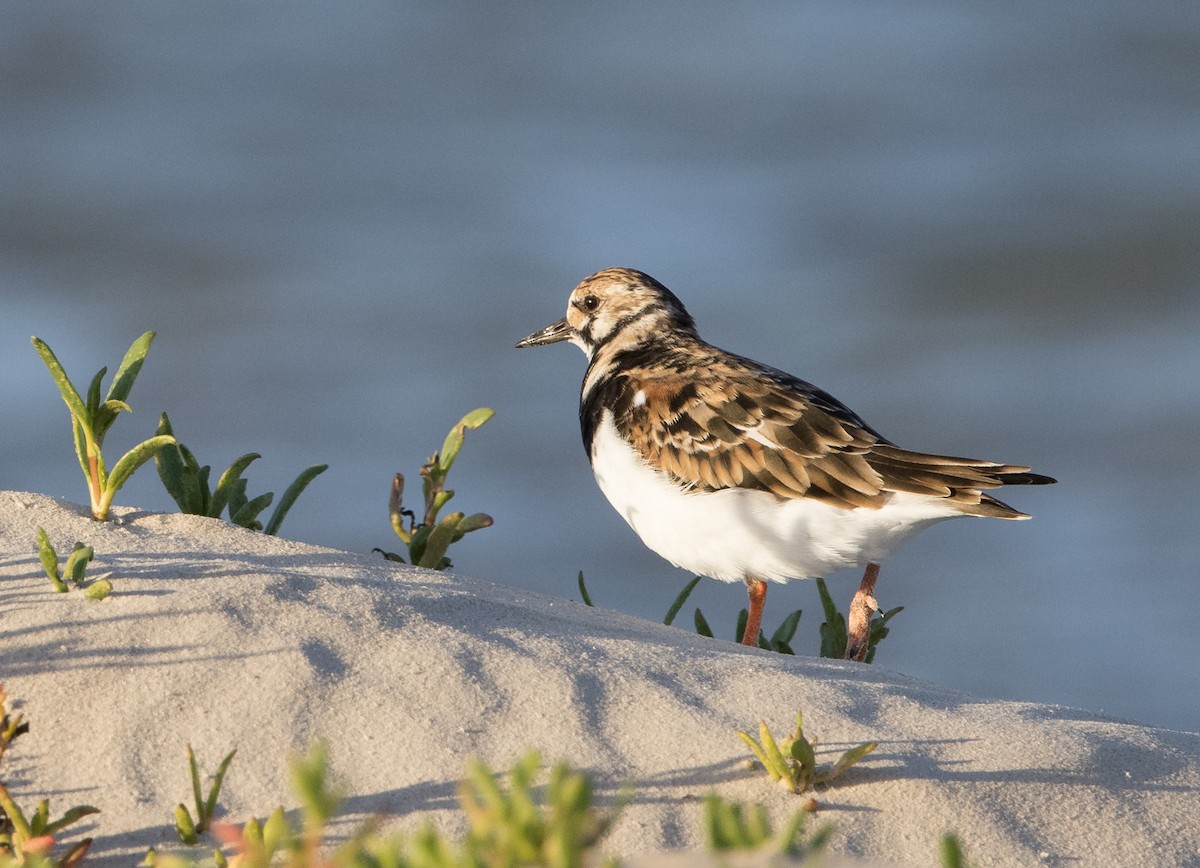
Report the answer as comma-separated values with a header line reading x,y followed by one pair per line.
x,y
590,302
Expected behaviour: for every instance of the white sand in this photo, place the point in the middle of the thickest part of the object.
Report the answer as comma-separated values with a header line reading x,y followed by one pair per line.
x,y
221,637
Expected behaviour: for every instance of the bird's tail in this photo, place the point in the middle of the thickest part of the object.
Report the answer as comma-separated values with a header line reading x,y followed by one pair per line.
x,y
962,481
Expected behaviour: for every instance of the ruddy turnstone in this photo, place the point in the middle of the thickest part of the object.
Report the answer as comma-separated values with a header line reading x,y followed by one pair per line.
x,y
733,469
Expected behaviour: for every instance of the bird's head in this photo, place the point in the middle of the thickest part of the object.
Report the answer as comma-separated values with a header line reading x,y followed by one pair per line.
x,y
616,305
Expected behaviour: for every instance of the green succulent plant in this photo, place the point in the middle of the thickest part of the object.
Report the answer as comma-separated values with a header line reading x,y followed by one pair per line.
x,y
91,419
27,840
429,539
792,761
73,570
188,484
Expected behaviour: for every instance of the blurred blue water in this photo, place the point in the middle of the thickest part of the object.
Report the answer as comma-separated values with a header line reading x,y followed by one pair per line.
x,y
976,225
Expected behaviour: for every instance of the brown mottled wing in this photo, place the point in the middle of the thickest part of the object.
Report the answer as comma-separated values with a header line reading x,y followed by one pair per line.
x,y
749,426
742,426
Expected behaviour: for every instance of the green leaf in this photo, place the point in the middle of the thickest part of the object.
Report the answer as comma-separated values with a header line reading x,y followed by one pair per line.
x,y
482,786
289,497
951,852
833,631
49,559
803,753
195,485
16,816
756,829
474,521
77,562
184,826
787,629
440,499
879,631
237,497
79,436
129,462
228,484
454,440
416,548
74,855
755,748
252,832
583,591
41,818
788,841
131,366
73,815
310,781
276,831
702,625
183,477
846,760
439,540
105,415
98,590
93,395
197,797
247,514
193,469
69,394
680,599
210,806
170,465
720,824
776,763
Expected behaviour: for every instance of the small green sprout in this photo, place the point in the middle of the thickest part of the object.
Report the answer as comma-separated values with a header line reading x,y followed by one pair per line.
x,y
792,761
506,827
951,852
188,484
27,840
257,843
91,419
31,838
833,630
12,724
189,830
428,541
73,570
513,828
587,598
731,826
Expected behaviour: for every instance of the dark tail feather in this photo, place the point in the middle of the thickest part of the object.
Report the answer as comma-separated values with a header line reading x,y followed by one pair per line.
x,y
1025,479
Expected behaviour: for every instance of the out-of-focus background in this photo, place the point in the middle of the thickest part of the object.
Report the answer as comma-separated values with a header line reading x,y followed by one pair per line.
x,y
977,225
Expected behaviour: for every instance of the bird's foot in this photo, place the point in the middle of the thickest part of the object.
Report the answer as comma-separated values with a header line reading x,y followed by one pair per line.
x,y
858,619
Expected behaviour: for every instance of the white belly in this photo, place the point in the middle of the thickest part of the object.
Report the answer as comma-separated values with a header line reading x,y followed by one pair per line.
x,y
735,533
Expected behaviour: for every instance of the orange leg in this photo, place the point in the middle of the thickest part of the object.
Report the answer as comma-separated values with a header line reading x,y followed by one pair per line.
x,y
862,608
757,589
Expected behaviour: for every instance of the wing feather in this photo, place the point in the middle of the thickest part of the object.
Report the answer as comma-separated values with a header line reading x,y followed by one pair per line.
x,y
742,425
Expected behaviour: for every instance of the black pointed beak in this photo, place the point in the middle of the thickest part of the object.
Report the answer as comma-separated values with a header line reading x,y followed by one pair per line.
x,y
551,334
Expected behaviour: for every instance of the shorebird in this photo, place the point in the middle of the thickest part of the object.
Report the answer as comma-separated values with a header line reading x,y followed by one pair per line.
x,y
736,470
